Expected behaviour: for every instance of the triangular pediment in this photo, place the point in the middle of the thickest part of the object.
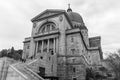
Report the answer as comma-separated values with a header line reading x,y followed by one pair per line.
x,y
47,13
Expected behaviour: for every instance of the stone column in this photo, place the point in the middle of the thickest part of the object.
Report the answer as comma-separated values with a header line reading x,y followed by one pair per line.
x,y
54,47
36,48
48,45
42,47
57,43
32,48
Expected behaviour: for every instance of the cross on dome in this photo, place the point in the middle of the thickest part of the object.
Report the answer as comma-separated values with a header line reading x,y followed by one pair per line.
x,y
68,5
69,9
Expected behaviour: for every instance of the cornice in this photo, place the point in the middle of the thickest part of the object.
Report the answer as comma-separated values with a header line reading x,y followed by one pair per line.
x,y
46,34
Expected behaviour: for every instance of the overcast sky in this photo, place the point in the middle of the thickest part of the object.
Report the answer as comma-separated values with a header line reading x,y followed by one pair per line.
x,y
102,17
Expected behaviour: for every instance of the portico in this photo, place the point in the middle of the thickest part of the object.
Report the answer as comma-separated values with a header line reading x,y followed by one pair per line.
x,y
46,45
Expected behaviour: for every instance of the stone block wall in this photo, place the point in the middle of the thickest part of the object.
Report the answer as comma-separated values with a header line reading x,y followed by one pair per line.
x,y
50,66
74,41
94,57
26,50
79,73
61,71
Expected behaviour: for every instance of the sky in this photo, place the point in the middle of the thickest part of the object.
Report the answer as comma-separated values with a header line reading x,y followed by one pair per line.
x,y
102,18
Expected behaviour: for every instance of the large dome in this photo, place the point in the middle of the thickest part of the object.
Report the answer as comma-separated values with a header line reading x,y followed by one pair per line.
x,y
75,17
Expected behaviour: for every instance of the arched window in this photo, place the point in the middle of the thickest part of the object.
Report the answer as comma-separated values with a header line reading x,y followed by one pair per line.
x,y
46,27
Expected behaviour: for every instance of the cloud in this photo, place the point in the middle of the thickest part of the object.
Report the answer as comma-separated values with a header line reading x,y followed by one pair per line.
x,y
100,16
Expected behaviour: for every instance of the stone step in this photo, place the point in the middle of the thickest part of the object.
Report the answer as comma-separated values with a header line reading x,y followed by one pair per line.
x,y
26,71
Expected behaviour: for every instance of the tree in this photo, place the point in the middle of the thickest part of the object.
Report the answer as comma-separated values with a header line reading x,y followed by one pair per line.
x,y
89,73
3,53
15,54
114,62
12,53
20,51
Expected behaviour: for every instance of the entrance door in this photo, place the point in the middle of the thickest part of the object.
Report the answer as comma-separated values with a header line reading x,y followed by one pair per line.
x,y
74,78
41,71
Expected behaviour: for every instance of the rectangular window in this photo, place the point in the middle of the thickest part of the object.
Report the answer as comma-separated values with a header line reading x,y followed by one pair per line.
x,y
72,39
73,51
74,79
73,60
53,27
28,47
74,70
48,27
52,68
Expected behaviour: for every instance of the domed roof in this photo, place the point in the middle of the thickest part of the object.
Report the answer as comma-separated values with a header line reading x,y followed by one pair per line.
x,y
75,17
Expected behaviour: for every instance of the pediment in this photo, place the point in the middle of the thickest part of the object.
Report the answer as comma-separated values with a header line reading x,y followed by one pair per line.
x,y
47,13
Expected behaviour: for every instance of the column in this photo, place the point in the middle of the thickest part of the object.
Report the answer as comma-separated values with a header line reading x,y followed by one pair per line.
x,y
57,45
48,45
36,48
42,46
54,47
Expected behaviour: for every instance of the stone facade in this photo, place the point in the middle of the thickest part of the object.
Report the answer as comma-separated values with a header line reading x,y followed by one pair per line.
x,y
60,42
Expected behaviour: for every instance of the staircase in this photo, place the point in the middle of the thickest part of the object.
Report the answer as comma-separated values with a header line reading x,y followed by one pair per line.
x,y
22,67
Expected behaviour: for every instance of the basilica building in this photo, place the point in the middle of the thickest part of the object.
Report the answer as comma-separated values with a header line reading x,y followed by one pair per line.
x,y
59,45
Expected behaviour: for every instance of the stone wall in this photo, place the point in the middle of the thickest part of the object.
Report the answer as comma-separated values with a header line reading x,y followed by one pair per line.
x,y
74,41
85,36
79,74
94,57
65,70
26,50
49,64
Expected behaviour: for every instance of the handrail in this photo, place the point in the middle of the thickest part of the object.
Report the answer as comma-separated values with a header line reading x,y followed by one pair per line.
x,y
76,56
32,61
19,72
33,73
